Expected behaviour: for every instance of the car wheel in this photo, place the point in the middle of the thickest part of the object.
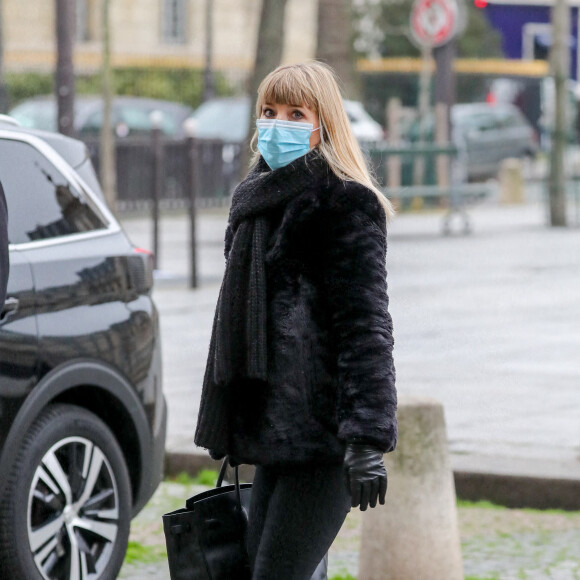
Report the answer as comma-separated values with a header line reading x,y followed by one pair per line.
x,y
66,510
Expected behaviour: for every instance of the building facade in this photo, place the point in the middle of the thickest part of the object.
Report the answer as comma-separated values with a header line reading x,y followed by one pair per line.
x,y
153,33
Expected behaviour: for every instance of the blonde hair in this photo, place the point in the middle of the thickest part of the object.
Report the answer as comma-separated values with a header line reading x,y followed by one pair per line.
x,y
314,85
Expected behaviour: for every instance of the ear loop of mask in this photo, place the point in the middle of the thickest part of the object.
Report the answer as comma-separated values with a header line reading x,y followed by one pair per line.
x,y
319,128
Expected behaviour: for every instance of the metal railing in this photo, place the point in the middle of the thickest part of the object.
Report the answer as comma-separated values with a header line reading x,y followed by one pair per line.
x,y
218,172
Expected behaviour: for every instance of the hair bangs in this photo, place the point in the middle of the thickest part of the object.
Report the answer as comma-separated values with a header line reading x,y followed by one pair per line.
x,y
288,86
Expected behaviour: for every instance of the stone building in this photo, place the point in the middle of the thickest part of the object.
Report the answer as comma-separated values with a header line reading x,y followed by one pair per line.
x,y
168,33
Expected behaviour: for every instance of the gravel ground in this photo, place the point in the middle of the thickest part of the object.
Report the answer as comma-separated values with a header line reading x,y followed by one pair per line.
x,y
497,543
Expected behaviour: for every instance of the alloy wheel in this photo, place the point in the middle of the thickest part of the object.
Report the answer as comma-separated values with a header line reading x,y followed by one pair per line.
x,y
73,511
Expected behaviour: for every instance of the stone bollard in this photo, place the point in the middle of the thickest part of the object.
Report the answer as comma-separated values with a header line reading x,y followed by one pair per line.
x,y
511,181
415,535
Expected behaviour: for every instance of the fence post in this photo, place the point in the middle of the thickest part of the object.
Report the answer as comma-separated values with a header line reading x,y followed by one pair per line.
x,y
415,535
156,118
193,158
442,138
393,164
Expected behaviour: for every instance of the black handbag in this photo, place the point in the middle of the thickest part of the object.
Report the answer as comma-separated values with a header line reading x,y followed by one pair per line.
x,y
206,540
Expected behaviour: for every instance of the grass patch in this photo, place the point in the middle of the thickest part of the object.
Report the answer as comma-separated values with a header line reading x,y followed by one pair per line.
x,y
483,504
207,477
341,577
140,554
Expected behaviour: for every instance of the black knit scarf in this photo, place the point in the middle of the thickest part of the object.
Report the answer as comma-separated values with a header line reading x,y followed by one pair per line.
x,y
238,347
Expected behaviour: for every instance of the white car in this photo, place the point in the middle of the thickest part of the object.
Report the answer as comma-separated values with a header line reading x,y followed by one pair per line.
x,y
364,127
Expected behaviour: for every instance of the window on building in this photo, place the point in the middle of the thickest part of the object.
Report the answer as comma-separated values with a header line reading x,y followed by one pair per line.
x,y
174,20
84,23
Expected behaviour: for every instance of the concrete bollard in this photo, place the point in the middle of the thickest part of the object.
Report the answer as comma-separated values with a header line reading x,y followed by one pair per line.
x,y
415,536
511,181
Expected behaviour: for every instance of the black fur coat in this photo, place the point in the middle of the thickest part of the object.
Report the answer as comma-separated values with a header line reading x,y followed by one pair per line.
x,y
331,378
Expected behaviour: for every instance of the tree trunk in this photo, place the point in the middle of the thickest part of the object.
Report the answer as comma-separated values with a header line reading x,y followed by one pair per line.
x,y
334,45
560,69
65,77
208,77
268,57
3,91
108,162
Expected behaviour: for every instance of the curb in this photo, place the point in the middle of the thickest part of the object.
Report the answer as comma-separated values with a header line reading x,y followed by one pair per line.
x,y
518,491
514,490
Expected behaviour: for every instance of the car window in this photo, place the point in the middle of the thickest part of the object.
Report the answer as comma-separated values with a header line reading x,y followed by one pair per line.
x,y
135,120
227,120
41,202
36,115
92,125
139,120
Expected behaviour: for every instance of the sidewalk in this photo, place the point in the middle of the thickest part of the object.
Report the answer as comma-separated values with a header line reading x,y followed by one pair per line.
x,y
496,542
486,323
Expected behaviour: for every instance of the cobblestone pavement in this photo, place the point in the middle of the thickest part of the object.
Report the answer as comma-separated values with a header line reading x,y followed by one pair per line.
x,y
497,543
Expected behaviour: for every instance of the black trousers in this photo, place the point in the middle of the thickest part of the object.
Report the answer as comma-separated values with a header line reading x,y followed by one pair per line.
x,y
295,514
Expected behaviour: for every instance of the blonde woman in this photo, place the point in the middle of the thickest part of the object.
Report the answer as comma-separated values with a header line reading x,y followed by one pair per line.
x,y
300,379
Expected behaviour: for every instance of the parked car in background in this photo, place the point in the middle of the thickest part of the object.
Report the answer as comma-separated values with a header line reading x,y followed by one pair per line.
x,y
227,118
83,425
223,118
364,127
490,134
485,134
130,115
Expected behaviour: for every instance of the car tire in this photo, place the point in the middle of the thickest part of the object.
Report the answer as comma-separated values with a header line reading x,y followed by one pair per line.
x,y
66,509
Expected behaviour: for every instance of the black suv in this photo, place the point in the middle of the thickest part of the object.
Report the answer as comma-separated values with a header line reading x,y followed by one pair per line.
x,y
82,413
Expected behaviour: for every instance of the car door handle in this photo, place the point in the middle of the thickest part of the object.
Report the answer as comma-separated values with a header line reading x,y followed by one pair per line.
x,y
10,306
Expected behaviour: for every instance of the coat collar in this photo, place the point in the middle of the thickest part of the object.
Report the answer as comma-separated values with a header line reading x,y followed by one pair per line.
x,y
265,190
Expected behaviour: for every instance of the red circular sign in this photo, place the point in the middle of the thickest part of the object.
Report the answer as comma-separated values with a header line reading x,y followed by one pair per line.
x,y
433,22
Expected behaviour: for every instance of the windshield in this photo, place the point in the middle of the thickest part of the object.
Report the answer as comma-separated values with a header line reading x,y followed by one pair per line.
x,y
36,115
227,120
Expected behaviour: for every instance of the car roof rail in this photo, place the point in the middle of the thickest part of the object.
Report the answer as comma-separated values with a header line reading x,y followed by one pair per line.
x,y
8,120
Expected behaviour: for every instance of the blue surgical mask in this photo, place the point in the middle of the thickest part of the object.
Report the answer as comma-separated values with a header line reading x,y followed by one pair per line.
x,y
281,142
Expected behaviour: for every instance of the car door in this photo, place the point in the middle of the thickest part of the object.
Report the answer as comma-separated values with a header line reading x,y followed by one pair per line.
x,y
483,146
18,332
517,134
77,256
18,323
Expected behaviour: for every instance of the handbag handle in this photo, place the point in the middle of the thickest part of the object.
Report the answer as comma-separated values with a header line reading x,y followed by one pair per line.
x,y
220,481
222,472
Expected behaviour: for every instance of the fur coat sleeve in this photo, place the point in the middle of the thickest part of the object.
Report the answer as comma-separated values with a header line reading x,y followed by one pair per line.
x,y
356,292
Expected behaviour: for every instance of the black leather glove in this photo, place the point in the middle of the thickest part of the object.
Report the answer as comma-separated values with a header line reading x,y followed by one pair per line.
x,y
365,475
